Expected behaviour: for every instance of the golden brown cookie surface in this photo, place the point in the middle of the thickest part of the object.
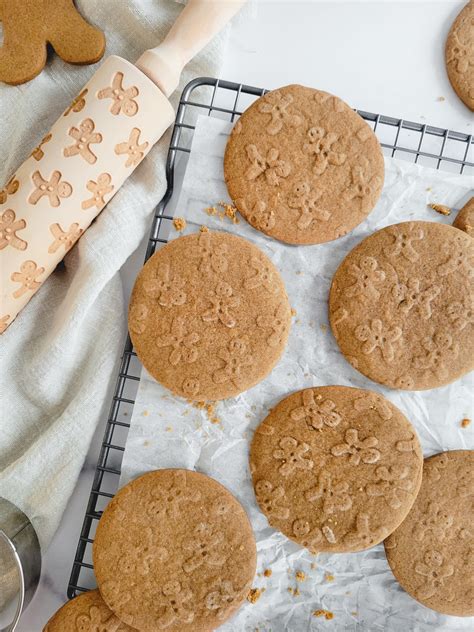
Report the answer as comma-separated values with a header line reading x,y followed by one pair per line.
x,y
28,25
209,316
400,305
431,553
335,468
86,613
302,167
174,550
465,218
459,55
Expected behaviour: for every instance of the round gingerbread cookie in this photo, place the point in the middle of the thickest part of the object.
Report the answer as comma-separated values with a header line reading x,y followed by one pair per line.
x,y
335,468
432,552
86,613
465,218
459,53
174,550
209,316
302,166
400,305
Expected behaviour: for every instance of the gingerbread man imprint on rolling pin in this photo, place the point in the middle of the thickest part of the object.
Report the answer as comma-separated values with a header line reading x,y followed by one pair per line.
x,y
29,25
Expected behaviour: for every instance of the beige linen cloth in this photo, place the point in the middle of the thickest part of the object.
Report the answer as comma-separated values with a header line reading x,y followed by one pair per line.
x,y
59,356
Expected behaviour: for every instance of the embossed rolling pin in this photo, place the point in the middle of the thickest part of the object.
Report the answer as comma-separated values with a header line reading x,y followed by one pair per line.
x,y
90,151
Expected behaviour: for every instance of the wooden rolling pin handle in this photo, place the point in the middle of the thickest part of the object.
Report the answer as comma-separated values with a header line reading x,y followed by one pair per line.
x,y
197,24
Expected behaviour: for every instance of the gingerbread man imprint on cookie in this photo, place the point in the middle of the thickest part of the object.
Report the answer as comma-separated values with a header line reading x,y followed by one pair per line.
x,y
29,25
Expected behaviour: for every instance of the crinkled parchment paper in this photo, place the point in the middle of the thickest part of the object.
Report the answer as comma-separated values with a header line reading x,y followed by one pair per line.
x,y
359,589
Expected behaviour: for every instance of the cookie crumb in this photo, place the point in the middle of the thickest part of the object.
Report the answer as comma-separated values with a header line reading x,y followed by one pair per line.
x,y
230,211
211,210
313,565
293,311
328,577
179,223
295,592
465,422
327,614
145,413
441,99
441,209
168,429
323,327
300,576
255,594
203,229
267,572
354,613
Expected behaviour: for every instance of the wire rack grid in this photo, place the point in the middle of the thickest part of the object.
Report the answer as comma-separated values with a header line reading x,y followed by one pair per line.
x,y
417,142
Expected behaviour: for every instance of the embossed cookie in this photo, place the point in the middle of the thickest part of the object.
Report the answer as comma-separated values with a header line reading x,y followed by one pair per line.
x,y
335,468
401,305
209,316
302,167
86,613
432,552
174,550
459,55
465,218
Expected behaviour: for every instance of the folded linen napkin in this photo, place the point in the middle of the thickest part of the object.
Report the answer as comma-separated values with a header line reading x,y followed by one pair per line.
x,y
59,355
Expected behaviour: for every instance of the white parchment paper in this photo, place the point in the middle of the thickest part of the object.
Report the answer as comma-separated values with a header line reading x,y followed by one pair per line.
x,y
168,432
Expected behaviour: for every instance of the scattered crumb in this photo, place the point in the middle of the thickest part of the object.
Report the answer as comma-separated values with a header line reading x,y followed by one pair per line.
x,y
323,327
209,407
441,99
313,565
146,443
300,576
327,614
297,321
225,210
293,311
255,594
179,223
267,572
168,428
299,272
428,189
204,229
465,422
294,591
328,577
230,211
145,413
354,613
441,209
125,414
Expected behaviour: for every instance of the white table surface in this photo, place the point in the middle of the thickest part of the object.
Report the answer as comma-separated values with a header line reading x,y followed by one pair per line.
x,y
383,57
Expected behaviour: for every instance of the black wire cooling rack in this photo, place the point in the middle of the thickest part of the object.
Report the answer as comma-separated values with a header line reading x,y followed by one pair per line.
x,y
416,142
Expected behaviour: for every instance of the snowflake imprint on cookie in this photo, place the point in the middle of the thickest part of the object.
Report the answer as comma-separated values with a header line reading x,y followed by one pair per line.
x,y
376,335
333,495
359,450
